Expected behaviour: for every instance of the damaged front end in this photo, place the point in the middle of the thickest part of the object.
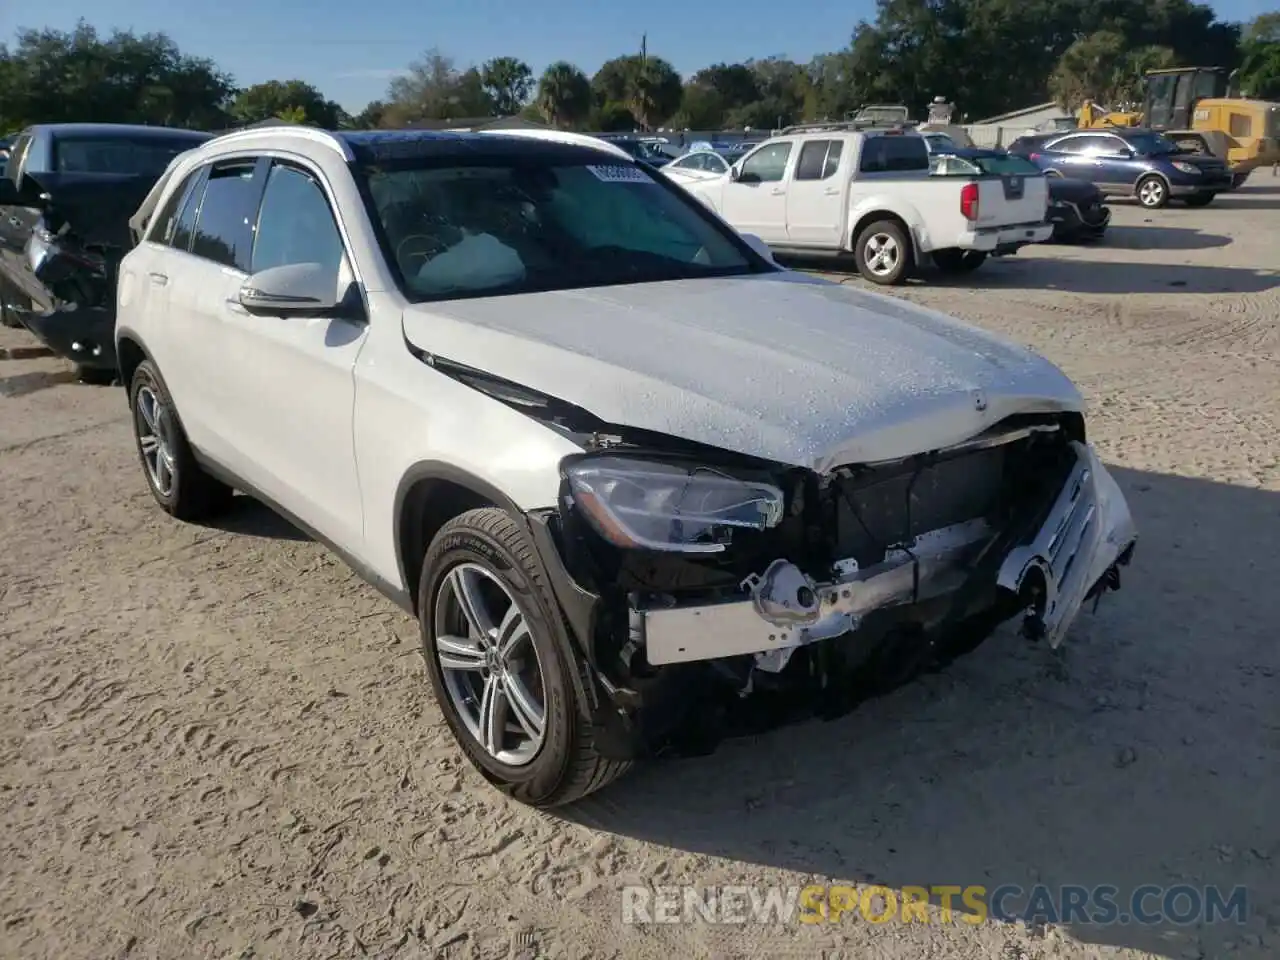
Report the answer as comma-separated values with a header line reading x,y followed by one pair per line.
x,y
712,593
64,290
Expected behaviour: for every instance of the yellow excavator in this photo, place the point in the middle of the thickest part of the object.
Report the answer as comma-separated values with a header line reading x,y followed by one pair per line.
x,y
1197,108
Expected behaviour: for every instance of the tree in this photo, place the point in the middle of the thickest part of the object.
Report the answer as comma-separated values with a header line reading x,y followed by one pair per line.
x,y
564,95
433,88
53,75
1260,55
371,117
276,98
648,86
508,82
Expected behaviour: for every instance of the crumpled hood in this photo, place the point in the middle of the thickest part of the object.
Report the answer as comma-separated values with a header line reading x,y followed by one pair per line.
x,y
780,366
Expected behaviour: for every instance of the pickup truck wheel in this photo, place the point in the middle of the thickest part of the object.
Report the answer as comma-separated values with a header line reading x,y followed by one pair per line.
x,y
175,478
503,681
1152,192
883,253
955,260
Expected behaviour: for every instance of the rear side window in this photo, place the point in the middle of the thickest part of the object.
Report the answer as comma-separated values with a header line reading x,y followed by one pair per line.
x,y
224,222
818,159
144,155
167,222
185,227
893,154
295,223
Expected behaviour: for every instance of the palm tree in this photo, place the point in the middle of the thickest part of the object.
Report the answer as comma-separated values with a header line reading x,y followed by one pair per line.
x,y
564,95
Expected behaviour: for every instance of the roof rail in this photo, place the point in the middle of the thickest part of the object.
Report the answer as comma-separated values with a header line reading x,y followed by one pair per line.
x,y
858,126
314,134
564,136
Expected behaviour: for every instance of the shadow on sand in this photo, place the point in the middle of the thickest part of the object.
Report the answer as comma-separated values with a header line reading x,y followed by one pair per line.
x,y
1147,751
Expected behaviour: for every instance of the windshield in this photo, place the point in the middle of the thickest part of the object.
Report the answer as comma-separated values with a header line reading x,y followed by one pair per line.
x,y
1151,144
1005,165
486,229
148,155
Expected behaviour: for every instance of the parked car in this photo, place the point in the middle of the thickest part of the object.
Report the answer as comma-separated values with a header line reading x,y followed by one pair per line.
x,y
869,194
1076,207
697,165
1129,161
68,190
648,149
630,476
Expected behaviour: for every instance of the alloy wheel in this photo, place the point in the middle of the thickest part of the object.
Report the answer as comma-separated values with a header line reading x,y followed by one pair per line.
x,y
882,254
489,664
155,438
1151,193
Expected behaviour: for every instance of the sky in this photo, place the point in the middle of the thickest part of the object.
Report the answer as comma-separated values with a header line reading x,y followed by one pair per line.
x,y
350,50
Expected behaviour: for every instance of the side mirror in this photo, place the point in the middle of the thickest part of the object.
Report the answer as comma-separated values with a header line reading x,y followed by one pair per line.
x,y
735,173
758,245
295,289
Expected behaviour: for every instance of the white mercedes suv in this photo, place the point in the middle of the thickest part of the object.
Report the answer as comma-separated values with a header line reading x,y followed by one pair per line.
x,y
640,485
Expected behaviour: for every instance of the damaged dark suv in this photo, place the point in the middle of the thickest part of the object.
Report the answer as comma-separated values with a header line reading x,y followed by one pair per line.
x,y
66,196
641,486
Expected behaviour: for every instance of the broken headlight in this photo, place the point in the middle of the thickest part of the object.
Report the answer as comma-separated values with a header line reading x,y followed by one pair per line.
x,y
646,505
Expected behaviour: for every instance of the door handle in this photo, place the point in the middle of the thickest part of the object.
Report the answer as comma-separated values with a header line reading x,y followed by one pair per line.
x,y
159,279
832,191
777,191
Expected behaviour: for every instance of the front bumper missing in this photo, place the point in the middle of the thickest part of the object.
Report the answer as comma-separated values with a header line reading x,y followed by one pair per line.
x,y
84,335
1072,556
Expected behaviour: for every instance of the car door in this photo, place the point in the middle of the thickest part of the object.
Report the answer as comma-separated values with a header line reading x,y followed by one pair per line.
x,y
757,201
1071,157
145,284
290,379
816,209
1117,166
201,273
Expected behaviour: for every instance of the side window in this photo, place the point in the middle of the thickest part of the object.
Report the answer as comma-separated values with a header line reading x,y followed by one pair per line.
x,y
893,154
295,223
184,229
813,157
1110,147
165,224
766,165
832,163
224,221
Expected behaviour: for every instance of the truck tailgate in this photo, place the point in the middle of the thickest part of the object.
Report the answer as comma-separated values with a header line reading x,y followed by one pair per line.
x,y
1011,199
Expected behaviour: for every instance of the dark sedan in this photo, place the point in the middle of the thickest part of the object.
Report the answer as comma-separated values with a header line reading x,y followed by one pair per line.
x,y
1129,161
1075,209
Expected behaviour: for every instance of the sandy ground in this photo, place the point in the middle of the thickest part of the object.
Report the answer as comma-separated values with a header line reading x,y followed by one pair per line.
x,y
219,743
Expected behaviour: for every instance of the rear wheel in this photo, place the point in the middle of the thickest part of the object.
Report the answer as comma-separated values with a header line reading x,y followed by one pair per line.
x,y
1199,199
883,253
955,260
498,671
1152,192
176,480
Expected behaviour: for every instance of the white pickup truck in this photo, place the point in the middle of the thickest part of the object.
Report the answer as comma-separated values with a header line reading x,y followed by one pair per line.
x,y
870,193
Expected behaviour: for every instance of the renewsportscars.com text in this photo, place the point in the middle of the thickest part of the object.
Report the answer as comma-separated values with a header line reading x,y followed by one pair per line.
x,y
1100,905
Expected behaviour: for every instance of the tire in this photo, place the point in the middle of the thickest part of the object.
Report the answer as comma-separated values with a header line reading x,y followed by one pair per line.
x,y
1152,191
1199,199
485,555
888,236
955,260
190,493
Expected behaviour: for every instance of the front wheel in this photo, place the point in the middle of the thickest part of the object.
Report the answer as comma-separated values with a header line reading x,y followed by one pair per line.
x,y
1152,192
1199,199
883,253
498,671
955,260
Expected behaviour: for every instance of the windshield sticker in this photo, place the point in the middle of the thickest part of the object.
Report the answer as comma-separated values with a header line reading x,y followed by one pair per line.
x,y
620,174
